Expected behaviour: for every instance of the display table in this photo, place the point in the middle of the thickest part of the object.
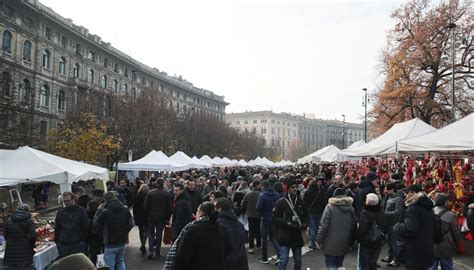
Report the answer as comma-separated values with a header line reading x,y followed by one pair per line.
x,y
42,258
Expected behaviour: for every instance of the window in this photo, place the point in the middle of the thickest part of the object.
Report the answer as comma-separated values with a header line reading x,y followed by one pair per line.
x,y
91,56
44,96
25,91
43,128
27,51
90,76
5,84
125,89
254,121
273,131
134,94
103,82
263,121
76,70
62,66
273,121
63,42
29,22
237,122
115,86
61,100
10,11
116,67
77,49
246,122
264,131
46,56
125,72
47,33
106,62
7,41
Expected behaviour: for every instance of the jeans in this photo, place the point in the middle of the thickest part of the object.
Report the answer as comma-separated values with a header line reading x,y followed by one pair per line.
x,y
367,257
114,257
268,231
284,257
393,247
445,263
333,262
142,232
155,235
254,232
313,227
66,250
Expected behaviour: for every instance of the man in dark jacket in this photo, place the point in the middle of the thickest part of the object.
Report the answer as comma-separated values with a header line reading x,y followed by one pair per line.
x,y
237,257
394,210
249,205
194,195
266,201
365,187
71,229
182,214
20,235
114,220
95,240
314,199
289,225
157,205
416,230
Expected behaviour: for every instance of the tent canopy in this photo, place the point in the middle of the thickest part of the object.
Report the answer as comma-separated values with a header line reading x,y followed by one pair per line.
x,y
201,163
28,164
182,158
357,144
386,143
327,154
457,136
153,161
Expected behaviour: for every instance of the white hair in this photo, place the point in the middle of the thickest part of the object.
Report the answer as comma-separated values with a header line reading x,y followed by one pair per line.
x,y
372,199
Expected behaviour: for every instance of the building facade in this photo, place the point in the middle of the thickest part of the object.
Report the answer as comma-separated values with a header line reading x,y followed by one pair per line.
x,y
51,68
295,135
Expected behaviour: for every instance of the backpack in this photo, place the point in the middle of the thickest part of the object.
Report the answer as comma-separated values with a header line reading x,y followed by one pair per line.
x,y
375,234
440,228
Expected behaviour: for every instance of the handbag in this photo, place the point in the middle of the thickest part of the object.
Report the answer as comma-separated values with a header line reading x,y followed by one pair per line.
x,y
375,233
100,261
464,227
167,235
304,233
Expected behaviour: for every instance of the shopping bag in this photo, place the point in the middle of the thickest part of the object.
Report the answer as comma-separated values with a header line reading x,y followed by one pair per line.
x,y
167,237
100,261
305,237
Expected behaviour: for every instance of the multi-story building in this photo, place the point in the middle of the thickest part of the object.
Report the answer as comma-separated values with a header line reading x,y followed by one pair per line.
x,y
51,68
294,135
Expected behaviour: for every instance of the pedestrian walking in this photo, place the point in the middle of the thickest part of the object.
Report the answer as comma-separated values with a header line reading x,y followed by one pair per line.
x,y
140,216
182,213
394,211
194,195
314,198
249,206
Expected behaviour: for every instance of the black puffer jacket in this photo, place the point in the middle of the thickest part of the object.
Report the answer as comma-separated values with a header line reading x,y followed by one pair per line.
x,y
395,208
21,237
318,196
182,214
369,214
158,205
365,187
139,213
288,230
195,199
416,231
237,259
72,225
115,222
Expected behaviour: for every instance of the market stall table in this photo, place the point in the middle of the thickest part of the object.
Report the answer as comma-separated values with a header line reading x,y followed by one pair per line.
x,y
43,257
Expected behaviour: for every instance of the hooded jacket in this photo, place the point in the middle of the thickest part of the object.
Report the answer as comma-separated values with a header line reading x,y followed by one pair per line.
x,y
71,225
337,227
158,205
365,187
370,214
21,237
318,197
416,231
395,208
266,201
115,222
182,214
237,257
249,203
449,245
288,230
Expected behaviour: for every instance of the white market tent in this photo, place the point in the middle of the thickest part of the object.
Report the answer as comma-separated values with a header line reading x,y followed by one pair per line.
x,y
386,143
153,161
357,144
457,136
267,162
206,159
201,163
326,154
182,158
243,163
235,162
27,164
227,162
342,157
217,162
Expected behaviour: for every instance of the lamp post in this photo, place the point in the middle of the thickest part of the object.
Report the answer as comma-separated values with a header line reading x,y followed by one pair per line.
x,y
452,26
343,130
365,115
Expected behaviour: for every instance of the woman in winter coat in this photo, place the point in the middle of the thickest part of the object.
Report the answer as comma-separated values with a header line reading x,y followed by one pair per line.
x,y
314,198
140,215
369,246
470,217
20,234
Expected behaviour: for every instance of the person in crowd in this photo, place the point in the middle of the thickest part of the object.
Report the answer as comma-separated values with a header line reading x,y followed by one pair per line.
x,y
95,240
194,195
125,194
222,189
249,207
213,196
237,257
372,218
81,197
365,187
290,216
336,183
204,244
73,262
20,234
114,220
72,226
158,206
265,203
140,215
182,213
394,210
448,247
211,186
336,229
314,198
470,217
416,230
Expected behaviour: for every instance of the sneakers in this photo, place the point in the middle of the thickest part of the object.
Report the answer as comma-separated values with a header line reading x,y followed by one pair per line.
x,y
392,264
277,261
251,251
386,260
264,261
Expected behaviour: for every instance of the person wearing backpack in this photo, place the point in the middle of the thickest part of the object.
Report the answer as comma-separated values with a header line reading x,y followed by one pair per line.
x,y
371,233
444,250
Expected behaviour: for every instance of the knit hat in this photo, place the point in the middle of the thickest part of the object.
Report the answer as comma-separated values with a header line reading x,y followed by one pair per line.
x,y
339,192
414,188
23,208
395,176
440,199
371,176
77,261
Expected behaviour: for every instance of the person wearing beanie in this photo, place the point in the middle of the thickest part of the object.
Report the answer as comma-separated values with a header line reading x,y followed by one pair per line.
x,y
369,247
394,209
448,247
337,229
416,229
73,262
20,234
365,187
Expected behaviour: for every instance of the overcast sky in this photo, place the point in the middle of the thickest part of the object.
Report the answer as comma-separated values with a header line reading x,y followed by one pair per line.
x,y
293,56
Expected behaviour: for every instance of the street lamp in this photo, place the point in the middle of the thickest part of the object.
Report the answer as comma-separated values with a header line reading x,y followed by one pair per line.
x,y
365,115
453,108
343,129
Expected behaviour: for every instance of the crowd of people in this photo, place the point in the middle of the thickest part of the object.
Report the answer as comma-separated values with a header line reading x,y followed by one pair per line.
x,y
212,218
